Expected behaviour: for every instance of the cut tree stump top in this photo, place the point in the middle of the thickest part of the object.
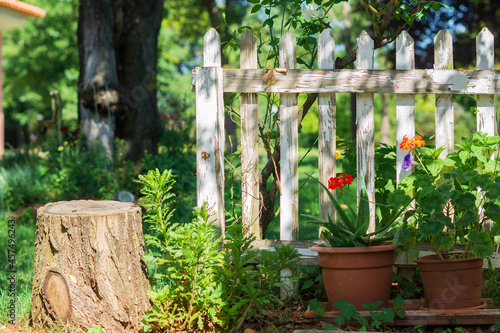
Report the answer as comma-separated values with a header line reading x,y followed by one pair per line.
x,y
88,207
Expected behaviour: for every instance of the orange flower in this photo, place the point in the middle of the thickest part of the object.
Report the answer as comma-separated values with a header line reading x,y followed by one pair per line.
x,y
406,143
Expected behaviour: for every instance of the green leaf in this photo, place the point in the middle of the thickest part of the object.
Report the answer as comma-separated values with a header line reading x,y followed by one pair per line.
x,y
466,219
398,199
256,8
387,315
317,306
329,327
372,306
435,166
444,240
492,211
492,166
431,200
307,284
466,201
402,236
430,228
492,191
398,301
478,151
482,244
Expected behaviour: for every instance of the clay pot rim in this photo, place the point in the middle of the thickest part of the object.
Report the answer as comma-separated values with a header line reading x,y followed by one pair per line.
x,y
380,247
433,259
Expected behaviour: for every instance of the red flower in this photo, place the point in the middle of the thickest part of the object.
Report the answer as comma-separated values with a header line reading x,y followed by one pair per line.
x,y
340,181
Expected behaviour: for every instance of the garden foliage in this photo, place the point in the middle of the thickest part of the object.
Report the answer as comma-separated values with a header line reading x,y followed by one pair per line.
x,y
198,280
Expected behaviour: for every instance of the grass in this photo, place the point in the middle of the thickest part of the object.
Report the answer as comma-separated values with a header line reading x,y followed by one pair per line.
x,y
24,259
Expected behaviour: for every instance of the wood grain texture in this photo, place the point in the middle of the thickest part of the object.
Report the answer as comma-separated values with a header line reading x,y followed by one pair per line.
x,y
289,135
249,142
327,128
391,81
88,266
485,57
209,153
365,129
445,123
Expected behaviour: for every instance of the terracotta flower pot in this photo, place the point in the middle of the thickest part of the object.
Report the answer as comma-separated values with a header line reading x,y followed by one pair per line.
x,y
451,283
358,274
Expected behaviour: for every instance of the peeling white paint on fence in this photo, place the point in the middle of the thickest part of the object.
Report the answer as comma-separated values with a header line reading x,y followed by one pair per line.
x,y
210,130
405,104
211,82
365,128
327,126
445,124
485,58
249,142
289,128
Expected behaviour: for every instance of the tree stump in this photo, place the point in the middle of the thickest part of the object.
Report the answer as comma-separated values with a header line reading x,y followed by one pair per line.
x,y
88,266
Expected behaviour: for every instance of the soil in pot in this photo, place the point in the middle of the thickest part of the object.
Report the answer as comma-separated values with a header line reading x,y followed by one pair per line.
x,y
358,274
451,283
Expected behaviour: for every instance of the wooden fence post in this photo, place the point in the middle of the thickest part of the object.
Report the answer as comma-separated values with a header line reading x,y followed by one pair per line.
x,y
485,103
445,129
249,141
405,104
327,128
289,134
289,164
365,127
210,130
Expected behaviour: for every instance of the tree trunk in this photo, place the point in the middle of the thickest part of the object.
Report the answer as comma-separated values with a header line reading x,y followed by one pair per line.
x,y
117,92
88,266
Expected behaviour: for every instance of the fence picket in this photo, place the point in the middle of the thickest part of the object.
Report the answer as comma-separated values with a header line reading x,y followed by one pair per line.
x,y
211,49
485,103
249,141
445,129
210,130
289,128
405,103
327,128
365,127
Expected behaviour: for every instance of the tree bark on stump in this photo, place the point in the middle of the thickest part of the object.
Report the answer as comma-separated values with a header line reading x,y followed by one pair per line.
x,y
88,266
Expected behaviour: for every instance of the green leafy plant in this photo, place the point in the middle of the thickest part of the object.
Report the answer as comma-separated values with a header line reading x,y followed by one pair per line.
x,y
456,196
252,278
190,295
379,317
351,227
201,282
497,324
348,312
492,282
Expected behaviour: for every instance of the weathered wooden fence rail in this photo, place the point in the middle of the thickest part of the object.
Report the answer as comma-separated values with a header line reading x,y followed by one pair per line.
x,y
211,82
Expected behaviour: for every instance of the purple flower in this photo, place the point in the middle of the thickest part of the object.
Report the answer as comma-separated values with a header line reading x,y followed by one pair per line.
x,y
408,161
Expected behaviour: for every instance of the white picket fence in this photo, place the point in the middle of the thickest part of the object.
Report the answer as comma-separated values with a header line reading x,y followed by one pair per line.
x,y
211,82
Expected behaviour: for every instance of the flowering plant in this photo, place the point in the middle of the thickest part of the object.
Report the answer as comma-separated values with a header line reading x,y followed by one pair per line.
x,y
350,230
455,196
